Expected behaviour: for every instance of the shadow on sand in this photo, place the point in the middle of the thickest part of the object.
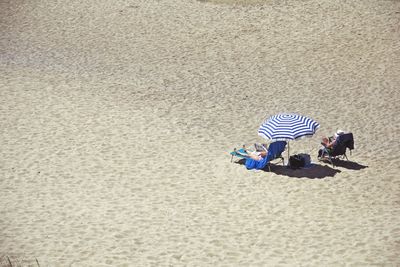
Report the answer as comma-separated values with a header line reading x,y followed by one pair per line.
x,y
351,165
316,171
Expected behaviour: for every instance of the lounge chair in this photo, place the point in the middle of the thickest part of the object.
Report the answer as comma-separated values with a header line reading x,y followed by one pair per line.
x,y
274,152
342,143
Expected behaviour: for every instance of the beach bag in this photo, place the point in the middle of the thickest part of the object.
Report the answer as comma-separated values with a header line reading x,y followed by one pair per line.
x,y
306,158
296,162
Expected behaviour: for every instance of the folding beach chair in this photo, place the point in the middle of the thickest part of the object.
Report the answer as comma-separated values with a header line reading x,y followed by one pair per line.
x,y
274,152
342,143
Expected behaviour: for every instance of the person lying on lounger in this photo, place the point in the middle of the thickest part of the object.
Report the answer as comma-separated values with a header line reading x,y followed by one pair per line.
x,y
262,156
258,154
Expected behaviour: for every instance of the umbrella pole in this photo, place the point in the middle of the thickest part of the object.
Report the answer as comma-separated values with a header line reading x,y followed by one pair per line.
x,y
288,148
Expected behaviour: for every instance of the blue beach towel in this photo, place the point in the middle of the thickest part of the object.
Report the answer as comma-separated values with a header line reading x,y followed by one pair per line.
x,y
240,153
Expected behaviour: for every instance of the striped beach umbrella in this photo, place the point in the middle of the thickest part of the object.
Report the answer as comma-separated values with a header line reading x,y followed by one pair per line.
x,y
287,126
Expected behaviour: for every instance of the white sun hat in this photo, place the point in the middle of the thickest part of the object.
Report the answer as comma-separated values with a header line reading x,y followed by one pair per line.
x,y
339,132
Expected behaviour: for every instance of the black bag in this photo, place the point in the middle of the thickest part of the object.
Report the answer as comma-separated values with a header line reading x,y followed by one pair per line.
x,y
296,162
306,159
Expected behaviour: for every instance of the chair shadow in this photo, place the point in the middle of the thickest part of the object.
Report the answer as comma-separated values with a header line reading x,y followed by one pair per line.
x,y
351,165
316,171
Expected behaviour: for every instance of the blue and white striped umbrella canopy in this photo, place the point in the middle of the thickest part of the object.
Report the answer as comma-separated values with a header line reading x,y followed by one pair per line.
x,y
287,126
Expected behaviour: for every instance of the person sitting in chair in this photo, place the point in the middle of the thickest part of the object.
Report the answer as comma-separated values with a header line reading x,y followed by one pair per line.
x,y
329,142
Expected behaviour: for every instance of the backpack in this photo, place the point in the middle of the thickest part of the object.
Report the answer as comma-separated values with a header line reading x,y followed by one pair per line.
x,y
296,162
306,158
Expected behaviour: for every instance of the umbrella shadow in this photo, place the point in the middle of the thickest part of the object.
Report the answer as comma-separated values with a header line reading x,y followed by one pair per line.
x,y
316,171
351,165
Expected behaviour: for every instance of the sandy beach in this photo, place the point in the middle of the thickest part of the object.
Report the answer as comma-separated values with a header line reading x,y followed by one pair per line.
x,y
117,119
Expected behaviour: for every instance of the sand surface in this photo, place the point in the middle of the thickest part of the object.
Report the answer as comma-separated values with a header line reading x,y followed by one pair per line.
x,y
117,118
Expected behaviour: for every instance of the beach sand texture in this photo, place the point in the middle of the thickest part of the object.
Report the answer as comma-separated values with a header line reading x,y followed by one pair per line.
x,y
117,118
